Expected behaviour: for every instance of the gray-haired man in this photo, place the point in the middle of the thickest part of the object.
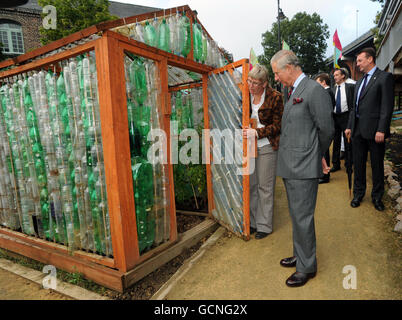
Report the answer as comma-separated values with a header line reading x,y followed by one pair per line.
x,y
307,130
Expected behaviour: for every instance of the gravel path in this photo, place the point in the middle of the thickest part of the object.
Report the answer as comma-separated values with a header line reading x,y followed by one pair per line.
x,y
349,239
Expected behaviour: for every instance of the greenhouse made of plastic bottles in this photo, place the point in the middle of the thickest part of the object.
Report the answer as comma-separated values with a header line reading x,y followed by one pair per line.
x,y
89,129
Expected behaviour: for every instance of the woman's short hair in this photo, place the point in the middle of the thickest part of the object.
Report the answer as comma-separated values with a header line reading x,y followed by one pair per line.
x,y
259,72
285,57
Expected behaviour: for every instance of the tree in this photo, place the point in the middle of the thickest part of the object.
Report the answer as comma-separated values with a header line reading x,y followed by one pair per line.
x,y
382,2
376,30
306,36
73,16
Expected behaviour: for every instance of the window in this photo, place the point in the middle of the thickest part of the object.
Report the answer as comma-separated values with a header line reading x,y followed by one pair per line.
x,y
11,37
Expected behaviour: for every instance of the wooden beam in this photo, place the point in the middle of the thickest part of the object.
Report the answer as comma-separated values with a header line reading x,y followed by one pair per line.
x,y
192,213
49,47
49,61
102,275
231,66
180,87
116,150
142,49
166,110
106,261
185,240
207,145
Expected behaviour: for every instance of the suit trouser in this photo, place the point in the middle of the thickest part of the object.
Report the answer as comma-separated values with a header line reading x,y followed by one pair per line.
x,y
302,198
262,188
340,124
361,147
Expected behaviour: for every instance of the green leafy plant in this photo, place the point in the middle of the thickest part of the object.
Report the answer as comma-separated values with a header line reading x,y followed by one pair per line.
x,y
190,183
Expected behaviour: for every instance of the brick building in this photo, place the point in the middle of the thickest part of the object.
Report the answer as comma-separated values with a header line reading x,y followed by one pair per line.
x,y
19,26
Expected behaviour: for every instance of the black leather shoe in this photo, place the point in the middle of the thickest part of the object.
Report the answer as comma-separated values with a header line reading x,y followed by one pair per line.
x,y
253,230
355,202
260,235
378,205
334,169
299,279
289,262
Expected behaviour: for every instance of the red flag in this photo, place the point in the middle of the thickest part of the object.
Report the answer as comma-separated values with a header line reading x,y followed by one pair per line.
x,y
336,41
338,49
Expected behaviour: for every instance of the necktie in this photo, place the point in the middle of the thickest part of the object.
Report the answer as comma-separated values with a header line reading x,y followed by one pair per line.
x,y
290,92
338,100
361,92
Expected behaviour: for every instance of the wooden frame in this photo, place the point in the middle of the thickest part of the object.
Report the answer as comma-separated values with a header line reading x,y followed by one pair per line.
x,y
127,264
109,53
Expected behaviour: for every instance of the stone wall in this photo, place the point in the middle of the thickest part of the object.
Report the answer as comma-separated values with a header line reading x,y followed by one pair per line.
x,y
394,188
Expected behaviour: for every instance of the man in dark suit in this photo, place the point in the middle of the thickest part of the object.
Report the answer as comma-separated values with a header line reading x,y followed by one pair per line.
x,y
368,125
324,81
306,132
344,93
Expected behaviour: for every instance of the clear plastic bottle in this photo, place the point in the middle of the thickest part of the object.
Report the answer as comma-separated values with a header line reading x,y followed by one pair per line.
x,y
164,36
172,24
139,32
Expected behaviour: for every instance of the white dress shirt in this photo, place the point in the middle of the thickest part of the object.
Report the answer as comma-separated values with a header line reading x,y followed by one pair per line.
x,y
344,102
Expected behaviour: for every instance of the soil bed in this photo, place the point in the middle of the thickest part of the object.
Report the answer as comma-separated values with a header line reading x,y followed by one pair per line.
x,y
148,286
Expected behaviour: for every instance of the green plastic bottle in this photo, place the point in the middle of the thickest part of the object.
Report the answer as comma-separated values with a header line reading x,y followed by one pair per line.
x,y
150,35
179,111
204,49
197,41
184,35
139,80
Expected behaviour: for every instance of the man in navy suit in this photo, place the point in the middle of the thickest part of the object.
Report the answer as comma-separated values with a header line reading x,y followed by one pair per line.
x,y
368,126
344,93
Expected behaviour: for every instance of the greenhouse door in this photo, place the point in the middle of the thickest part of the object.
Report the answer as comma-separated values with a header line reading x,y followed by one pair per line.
x,y
229,154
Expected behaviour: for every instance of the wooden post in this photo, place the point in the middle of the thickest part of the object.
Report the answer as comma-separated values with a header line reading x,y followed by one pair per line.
x,y
116,149
166,111
207,144
191,54
246,176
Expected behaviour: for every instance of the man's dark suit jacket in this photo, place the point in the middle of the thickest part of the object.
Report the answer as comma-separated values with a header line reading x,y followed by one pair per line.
x,y
332,95
375,106
350,90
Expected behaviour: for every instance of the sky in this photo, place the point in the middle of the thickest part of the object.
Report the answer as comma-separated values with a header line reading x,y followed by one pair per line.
x,y
238,25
